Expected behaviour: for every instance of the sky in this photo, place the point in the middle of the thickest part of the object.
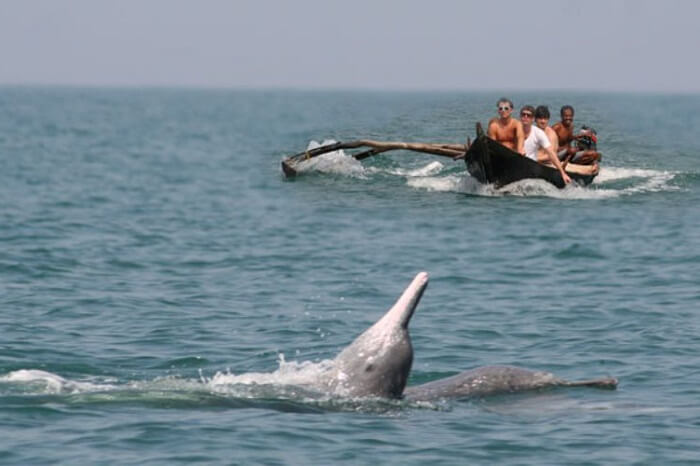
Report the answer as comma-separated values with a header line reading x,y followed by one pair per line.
x,y
607,45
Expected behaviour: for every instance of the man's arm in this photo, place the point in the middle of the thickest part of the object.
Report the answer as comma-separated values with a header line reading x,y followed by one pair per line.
x,y
554,139
542,156
519,137
491,130
555,161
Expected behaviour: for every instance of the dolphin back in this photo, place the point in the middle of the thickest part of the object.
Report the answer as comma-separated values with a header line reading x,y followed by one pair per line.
x,y
494,380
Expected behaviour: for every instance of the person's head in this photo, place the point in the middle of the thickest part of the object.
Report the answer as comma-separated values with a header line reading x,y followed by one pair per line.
x,y
587,138
567,115
527,114
505,107
542,116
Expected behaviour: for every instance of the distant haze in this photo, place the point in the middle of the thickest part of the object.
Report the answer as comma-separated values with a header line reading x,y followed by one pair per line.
x,y
614,45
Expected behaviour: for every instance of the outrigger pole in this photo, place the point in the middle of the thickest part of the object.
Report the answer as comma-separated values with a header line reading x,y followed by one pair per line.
x,y
453,151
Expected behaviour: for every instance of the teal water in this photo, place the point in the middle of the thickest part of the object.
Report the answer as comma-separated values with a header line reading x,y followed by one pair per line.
x,y
162,286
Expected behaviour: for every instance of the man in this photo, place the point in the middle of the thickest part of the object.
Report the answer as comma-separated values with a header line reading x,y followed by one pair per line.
x,y
565,131
506,129
535,139
542,116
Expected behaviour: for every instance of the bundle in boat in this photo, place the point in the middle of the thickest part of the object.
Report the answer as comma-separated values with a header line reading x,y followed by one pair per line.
x,y
453,151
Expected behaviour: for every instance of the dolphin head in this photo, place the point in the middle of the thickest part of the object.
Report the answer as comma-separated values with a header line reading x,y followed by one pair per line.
x,y
378,362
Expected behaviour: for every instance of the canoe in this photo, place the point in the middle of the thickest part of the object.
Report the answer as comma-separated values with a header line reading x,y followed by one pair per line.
x,y
490,162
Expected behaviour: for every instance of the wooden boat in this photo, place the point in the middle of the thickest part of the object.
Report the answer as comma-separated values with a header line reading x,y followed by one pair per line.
x,y
491,162
487,160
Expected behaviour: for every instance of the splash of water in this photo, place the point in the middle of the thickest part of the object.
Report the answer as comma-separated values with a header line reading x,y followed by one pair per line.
x,y
633,181
336,162
48,383
303,374
307,374
294,386
432,169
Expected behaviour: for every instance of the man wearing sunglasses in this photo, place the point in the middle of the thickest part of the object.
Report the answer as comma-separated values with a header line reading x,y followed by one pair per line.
x,y
536,139
506,129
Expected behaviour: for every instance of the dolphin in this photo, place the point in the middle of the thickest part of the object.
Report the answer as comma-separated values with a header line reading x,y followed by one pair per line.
x,y
377,363
494,380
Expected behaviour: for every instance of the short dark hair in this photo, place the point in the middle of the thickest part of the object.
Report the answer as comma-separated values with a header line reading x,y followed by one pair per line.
x,y
505,100
529,108
566,107
542,111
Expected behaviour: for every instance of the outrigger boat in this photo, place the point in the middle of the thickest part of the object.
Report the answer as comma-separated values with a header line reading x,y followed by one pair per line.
x,y
487,160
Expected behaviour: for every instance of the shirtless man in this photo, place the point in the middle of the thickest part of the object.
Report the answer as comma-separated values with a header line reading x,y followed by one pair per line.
x,y
542,121
535,139
565,132
506,129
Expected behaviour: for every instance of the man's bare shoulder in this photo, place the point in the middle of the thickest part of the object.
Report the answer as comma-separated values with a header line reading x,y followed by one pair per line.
x,y
557,126
514,125
493,127
552,135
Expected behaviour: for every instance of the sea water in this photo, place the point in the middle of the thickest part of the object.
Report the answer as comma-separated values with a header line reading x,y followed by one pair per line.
x,y
165,292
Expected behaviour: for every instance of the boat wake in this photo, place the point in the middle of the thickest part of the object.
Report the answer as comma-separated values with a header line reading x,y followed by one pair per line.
x,y
612,182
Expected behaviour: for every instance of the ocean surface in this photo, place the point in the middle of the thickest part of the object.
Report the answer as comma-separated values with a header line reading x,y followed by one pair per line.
x,y
164,289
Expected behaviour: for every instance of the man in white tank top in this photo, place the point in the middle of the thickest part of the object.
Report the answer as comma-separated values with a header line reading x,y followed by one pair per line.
x,y
535,139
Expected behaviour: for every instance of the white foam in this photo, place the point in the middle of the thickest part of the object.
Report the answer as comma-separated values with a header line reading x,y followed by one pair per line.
x,y
450,183
646,180
305,373
336,162
431,169
608,174
49,383
640,181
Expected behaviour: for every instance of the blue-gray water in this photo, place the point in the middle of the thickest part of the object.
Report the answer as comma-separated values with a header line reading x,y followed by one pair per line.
x,y
160,281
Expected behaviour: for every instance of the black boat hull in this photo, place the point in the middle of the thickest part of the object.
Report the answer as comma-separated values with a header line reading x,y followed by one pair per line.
x,y
493,163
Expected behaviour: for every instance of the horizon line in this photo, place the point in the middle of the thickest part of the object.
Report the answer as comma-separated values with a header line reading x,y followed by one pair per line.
x,y
338,88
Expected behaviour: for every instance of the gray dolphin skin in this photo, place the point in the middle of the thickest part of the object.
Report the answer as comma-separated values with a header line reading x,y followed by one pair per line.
x,y
494,380
377,363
